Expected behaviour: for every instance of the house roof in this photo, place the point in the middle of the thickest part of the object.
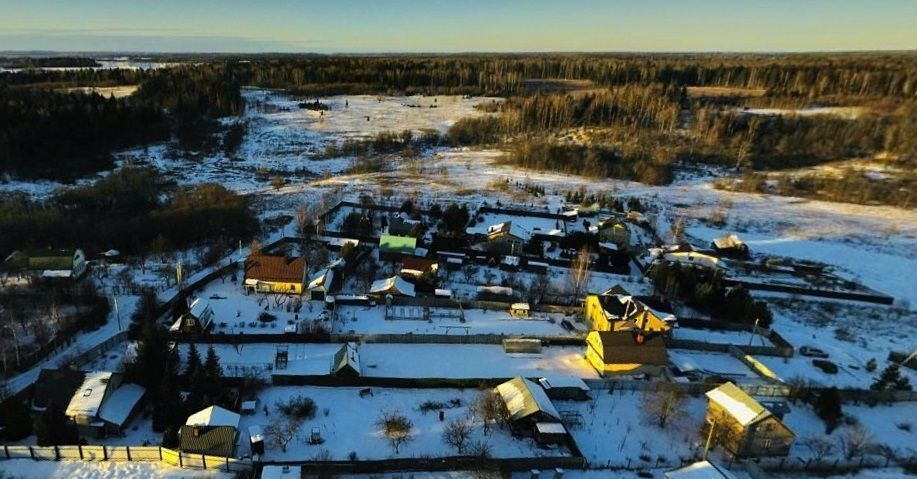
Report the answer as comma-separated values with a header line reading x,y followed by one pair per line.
x,y
738,404
56,386
394,285
700,470
213,416
524,398
412,264
347,356
397,244
214,441
280,269
322,280
88,398
728,241
507,227
54,259
198,307
563,382
623,347
281,472
122,401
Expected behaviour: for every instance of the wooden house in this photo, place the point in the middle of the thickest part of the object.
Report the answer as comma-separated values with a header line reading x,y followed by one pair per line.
x,y
198,318
527,405
743,426
626,353
506,238
212,431
275,274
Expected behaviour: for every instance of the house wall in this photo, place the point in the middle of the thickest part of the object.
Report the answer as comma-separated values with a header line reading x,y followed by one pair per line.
x,y
278,287
769,437
595,315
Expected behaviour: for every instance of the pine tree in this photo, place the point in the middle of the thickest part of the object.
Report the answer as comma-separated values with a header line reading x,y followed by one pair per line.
x,y
15,419
54,429
828,408
193,364
891,379
213,372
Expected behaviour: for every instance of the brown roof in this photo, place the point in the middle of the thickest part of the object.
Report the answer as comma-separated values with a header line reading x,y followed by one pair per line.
x,y
624,347
279,269
417,264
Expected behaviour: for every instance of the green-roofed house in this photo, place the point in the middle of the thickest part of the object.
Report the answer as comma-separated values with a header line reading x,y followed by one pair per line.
x,y
56,263
392,248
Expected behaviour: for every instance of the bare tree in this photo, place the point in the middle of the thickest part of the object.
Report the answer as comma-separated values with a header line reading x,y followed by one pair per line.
x,y
397,428
855,441
480,449
663,404
456,434
580,271
490,407
886,451
282,431
819,447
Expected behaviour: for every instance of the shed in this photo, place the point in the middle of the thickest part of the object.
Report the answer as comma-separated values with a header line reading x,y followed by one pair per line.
x,y
346,361
519,310
211,431
527,404
565,388
550,433
394,286
122,405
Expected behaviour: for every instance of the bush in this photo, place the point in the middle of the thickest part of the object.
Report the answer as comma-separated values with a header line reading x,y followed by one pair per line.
x,y
428,406
299,407
266,317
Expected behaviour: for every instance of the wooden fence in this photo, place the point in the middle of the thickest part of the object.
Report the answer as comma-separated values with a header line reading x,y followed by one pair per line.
x,y
125,454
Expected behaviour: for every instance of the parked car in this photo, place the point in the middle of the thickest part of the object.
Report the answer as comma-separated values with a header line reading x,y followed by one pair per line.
x,y
825,365
812,352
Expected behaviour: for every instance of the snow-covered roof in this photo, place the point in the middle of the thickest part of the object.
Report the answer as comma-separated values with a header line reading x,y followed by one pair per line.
x,y
550,428
609,246
693,258
738,404
700,470
504,290
510,228
728,241
281,472
122,401
524,398
563,382
87,400
392,285
510,260
213,416
56,273
446,293
255,433
198,308
346,356
323,280
520,306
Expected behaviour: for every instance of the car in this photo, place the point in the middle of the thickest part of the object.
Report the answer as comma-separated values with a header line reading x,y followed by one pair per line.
x,y
812,352
825,365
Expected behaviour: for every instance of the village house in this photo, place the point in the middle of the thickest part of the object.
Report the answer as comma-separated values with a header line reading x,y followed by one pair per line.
x,y
731,246
743,426
102,405
275,274
616,310
416,267
212,431
506,238
626,353
198,318
321,285
346,361
394,286
610,230
519,310
48,263
528,406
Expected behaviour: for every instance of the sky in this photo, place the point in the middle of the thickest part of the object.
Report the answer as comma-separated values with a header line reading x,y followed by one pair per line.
x,y
384,26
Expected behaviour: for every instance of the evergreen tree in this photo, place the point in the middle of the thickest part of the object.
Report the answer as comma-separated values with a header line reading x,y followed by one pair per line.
x,y
54,429
15,419
193,364
213,372
891,379
828,408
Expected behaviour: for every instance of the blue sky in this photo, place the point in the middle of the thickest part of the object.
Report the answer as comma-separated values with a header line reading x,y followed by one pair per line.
x,y
353,26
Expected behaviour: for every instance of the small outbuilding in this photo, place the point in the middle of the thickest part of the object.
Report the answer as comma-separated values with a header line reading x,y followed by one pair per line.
x,y
520,310
527,405
394,286
212,431
346,361
198,318
743,426
565,388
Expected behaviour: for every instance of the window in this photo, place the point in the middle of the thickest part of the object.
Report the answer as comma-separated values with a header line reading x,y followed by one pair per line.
x,y
87,393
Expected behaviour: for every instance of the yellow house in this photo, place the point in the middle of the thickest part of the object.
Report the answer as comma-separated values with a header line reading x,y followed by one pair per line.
x,y
625,353
743,426
275,274
615,310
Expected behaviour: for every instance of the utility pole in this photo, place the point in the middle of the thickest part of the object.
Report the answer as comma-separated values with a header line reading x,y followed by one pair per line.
x,y
709,439
753,331
114,302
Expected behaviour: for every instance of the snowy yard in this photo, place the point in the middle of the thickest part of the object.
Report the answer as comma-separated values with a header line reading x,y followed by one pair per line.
x,y
739,338
406,360
29,469
711,363
347,423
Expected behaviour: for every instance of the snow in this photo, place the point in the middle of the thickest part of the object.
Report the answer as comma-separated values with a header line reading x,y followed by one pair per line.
x,y
29,469
740,338
347,422
711,363
119,405
700,470
87,400
213,416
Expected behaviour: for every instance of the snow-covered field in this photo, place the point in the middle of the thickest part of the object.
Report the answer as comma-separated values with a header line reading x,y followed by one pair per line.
x,y
348,423
29,469
406,360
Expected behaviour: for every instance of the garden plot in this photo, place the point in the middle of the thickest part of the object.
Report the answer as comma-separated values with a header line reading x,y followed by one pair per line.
x,y
459,361
895,426
710,363
371,320
235,312
347,424
615,428
739,338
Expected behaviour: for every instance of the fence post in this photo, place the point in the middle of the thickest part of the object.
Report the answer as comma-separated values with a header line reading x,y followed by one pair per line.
x,y
31,453
56,453
227,464
160,453
204,461
104,453
128,449
6,450
80,448
180,462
